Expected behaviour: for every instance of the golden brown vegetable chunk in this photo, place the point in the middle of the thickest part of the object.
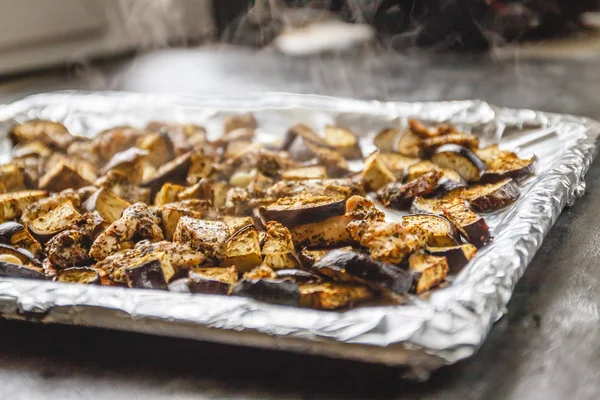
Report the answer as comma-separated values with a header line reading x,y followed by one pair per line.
x,y
430,271
333,295
13,204
203,235
242,249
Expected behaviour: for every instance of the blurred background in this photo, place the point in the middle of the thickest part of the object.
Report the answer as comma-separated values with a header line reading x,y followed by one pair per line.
x,y
521,53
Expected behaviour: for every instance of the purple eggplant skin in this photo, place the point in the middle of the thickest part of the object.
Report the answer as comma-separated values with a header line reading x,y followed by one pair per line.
x,y
498,199
201,284
146,276
24,255
175,171
298,275
11,270
464,152
302,216
8,229
179,286
349,266
277,291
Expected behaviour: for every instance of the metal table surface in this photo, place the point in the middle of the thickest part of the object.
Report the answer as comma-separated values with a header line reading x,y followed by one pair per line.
x,y
546,347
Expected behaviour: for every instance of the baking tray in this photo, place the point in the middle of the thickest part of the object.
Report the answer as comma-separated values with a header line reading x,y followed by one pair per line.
x,y
444,328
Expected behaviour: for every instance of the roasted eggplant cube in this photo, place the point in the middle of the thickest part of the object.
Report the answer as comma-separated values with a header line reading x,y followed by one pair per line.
x,y
168,194
12,178
61,177
56,221
439,231
109,206
491,196
457,256
19,263
472,226
302,209
174,171
347,266
170,216
278,247
298,275
400,196
430,145
206,236
159,147
398,164
151,272
343,141
376,174
501,164
13,204
242,249
212,280
303,173
410,145
277,291
82,275
386,140
334,295
429,271
461,159
234,122
331,232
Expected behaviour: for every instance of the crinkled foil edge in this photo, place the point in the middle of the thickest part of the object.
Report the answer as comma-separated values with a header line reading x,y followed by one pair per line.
x,y
450,326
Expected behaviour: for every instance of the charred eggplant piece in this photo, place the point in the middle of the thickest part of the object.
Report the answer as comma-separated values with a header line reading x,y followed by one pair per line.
x,y
8,229
410,145
200,191
397,163
456,256
61,177
386,140
278,247
242,249
501,164
343,141
19,263
158,146
299,276
331,232
56,221
12,178
334,295
13,204
300,174
278,291
48,132
449,181
174,171
82,275
297,141
461,159
168,194
429,271
129,162
302,210
109,206
334,188
400,196
439,231
353,267
386,241
212,280
151,272
430,145
490,196
234,122
16,235
376,174
120,185
203,235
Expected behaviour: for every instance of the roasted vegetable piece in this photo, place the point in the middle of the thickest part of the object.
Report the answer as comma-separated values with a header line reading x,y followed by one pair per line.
x,y
331,232
449,181
168,194
461,139
343,141
410,145
234,122
457,256
308,258
333,295
429,270
298,275
376,174
335,165
201,191
438,231
150,272
501,163
471,226
12,178
397,163
31,149
425,132
354,267
109,142
206,236
302,209
170,216
19,263
400,196
299,174
174,171
120,185
297,141
23,255
82,275
490,196
158,146
137,220
57,220
16,235
242,249
109,206
386,140
48,132
62,176
461,159
278,247
277,291
334,188
212,280
13,204
386,241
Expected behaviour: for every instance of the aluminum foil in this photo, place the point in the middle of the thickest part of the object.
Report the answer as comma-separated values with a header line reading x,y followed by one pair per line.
x,y
447,326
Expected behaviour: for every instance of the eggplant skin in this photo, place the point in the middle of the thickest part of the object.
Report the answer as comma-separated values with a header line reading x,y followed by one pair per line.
x,y
298,275
350,266
149,275
277,291
20,271
457,256
201,284
461,159
8,229
400,196
302,210
491,196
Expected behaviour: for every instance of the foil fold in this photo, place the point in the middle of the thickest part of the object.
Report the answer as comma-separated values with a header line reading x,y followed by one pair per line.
x,y
448,326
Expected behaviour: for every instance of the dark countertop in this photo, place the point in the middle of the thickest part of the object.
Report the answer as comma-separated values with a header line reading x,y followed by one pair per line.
x,y
546,347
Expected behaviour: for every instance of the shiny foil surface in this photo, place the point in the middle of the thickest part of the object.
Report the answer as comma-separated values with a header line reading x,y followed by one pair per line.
x,y
442,328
